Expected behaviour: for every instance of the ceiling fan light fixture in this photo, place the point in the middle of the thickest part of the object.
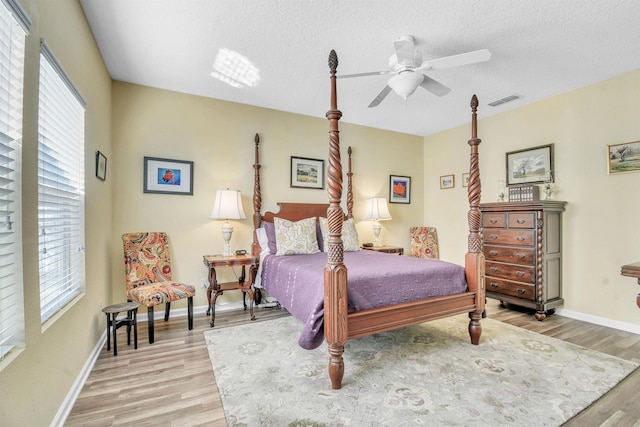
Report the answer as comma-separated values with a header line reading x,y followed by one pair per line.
x,y
404,84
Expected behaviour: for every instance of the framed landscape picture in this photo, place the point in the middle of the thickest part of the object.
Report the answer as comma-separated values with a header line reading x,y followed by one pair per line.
x,y
399,189
307,173
447,181
623,157
530,166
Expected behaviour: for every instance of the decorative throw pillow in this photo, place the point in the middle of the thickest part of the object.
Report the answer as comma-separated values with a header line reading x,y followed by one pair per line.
x,y
270,231
350,240
296,238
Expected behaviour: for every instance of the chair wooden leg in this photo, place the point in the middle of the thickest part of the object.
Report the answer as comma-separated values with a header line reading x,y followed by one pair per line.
x,y
190,312
166,311
150,322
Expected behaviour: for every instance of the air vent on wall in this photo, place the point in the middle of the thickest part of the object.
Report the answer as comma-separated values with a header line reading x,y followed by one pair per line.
x,y
504,100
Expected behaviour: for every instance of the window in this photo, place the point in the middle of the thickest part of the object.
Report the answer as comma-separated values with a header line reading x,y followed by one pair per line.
x,y
14,26
60,187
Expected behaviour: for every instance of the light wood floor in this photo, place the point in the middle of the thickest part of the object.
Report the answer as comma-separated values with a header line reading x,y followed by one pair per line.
x,y
171,383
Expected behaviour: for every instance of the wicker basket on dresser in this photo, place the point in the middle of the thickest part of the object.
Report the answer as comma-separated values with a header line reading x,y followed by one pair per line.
x,y
522,245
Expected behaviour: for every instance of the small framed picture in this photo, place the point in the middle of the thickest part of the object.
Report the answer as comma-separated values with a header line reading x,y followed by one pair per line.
x,y
623,157
101,165
465,179
307,173
399,189
167,176
530,166
447,181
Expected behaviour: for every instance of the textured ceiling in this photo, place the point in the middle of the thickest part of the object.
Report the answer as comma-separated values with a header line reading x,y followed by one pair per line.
x,y
539,49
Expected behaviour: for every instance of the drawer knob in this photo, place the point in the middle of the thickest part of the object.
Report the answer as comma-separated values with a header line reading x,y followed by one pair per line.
x,y
521,238
493,285
493,221
519,273
521,291
520,256
493,236
493,253
494,269
520,221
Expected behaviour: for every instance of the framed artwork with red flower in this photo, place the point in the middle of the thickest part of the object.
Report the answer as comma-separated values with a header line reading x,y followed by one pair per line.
x,y
399,189
167,176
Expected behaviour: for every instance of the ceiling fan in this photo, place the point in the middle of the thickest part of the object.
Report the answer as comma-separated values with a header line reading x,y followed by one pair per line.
x,y
406,63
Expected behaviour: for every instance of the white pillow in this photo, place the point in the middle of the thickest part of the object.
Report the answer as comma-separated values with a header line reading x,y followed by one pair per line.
x,y
261,234
296,238
350,240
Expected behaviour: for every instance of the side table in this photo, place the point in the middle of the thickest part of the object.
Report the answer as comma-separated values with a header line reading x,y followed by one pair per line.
x,y
215,289
113,323
386,249
632,270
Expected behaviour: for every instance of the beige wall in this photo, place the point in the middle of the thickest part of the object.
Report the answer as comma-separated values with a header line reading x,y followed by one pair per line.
x,y
600,222
34,381
219,137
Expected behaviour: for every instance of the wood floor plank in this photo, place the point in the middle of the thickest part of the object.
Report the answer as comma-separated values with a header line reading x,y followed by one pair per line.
x,y
171,382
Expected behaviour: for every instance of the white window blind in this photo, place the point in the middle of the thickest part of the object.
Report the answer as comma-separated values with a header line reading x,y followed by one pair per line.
x,y
14,25
60,187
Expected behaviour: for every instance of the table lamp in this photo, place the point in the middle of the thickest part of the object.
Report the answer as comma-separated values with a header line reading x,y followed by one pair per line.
x,y
228,205
375,210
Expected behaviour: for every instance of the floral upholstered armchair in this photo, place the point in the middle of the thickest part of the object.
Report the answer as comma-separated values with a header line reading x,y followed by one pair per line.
x,y
147,262
424,242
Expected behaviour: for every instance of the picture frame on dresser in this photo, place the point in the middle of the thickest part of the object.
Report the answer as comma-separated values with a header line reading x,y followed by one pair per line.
x,y
530,166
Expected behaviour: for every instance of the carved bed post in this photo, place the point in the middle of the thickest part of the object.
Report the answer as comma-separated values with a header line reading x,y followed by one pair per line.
x,y
349,187
335,272
474,260
257,199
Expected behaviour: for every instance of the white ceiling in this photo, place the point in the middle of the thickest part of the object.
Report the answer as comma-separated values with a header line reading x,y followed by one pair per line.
x,y
539,48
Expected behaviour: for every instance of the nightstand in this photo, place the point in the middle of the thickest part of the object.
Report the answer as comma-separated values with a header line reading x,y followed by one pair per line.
x,y
385,249
215,289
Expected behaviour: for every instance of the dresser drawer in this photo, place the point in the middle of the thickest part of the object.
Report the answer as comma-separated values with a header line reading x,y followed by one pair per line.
x,y
521,273
522,256
520,290
493,220
521,220
509,237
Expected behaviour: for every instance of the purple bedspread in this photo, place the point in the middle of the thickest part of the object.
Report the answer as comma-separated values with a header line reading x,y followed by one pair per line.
x,y
375,280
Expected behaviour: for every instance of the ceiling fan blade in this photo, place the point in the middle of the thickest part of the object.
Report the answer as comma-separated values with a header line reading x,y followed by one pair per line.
x,y
476,56
434,87
382,95
372,73
405,50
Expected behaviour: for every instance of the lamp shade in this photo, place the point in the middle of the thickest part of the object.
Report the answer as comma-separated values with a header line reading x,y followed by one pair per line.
x,y
228,205
376,209
404,84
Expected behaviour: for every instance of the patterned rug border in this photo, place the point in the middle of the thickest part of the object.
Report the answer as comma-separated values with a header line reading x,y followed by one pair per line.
x,y
421,386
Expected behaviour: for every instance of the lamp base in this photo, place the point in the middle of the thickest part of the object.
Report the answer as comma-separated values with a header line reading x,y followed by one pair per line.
x,y
376,232
227,231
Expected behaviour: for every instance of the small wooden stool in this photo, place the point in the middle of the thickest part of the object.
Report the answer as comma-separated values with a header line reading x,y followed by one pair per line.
x,y
114,323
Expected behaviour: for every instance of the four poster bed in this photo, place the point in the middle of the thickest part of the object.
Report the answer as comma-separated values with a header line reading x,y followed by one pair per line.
x,y
361,292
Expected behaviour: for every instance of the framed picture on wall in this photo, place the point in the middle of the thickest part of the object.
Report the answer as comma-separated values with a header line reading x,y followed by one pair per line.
x,y
447,181
465,179
623,157
399,189
307,173
530,166
167,176
101,165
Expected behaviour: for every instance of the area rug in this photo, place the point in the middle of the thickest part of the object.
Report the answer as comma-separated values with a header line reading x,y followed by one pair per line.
x,y
427,374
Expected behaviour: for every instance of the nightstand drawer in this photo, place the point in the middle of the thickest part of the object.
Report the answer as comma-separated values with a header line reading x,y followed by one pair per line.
x,y
493,220
509,237
522,256
521,220
520,290
521,273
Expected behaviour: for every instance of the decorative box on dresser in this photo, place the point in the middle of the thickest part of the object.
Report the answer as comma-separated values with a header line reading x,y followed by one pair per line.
x,y
522,245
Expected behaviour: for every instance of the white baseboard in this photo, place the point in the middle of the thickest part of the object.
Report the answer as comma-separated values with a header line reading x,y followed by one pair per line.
x,y
622,326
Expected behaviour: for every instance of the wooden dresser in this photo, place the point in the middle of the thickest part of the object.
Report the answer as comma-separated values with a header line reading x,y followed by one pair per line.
x,y
522,245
